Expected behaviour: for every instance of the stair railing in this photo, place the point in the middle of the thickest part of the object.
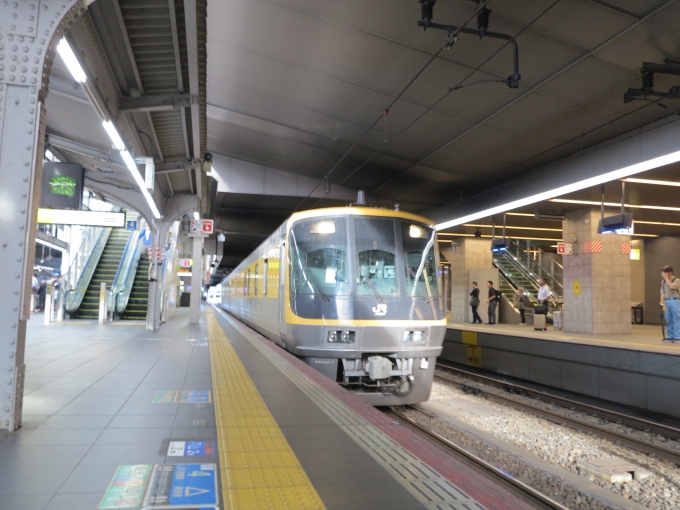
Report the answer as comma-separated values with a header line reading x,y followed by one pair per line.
x,y
125,278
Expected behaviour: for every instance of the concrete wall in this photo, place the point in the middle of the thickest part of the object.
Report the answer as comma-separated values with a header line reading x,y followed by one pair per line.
x,y
465,254
658,252
646,380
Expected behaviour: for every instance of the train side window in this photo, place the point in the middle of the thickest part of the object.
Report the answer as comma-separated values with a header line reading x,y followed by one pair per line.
x,y
255,282
248,283
265,280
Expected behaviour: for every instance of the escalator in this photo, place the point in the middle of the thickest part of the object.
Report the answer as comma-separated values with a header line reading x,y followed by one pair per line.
x,y
139,295
106,270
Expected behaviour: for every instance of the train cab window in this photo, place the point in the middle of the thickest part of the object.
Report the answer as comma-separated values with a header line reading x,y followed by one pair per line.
x,y
318,257
421,265
255,282
376,257
265,279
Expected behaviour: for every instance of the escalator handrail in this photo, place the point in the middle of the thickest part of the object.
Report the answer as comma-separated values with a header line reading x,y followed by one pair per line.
x,y
122,295
71,304
523,270
122,266
540,267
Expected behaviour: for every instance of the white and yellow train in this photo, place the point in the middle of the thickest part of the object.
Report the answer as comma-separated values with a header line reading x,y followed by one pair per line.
x,y
355,292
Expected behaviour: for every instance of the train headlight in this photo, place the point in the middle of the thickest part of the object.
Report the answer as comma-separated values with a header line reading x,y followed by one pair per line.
x,y
341,337
414,336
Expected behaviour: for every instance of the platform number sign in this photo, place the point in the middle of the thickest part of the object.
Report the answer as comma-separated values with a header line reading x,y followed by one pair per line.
x,y
182,486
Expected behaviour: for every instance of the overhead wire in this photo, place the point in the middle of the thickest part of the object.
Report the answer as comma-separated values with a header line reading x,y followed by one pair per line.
x,y
533,88
461,84
480,7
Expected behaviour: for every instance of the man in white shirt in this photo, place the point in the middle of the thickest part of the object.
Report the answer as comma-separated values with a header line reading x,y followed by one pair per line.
x,y
543,293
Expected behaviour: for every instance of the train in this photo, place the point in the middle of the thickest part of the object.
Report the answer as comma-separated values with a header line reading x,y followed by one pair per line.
x,y
355,292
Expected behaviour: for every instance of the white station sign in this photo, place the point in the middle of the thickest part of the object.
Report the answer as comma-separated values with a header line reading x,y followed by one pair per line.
x,y
88,218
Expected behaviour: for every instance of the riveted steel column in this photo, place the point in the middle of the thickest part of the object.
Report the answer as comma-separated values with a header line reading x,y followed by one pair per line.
x,y
196,280
29,33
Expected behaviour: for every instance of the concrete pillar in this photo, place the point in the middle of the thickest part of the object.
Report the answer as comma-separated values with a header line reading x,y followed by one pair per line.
x,y
27,47
196,280
465,254
597,286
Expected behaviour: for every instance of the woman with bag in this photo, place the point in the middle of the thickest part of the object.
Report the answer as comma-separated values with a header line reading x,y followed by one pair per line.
x,y
522,302
474,303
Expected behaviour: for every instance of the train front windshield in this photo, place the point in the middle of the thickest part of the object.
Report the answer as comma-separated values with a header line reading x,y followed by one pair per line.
x,y
392,272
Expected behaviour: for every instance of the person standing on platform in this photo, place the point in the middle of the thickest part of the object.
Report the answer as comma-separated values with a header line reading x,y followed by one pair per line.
x,y
543,293
492,302
521,303
474,303
670,299
42,291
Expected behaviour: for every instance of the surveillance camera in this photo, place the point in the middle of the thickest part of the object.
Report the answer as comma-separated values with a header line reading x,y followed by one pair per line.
x,y
207,156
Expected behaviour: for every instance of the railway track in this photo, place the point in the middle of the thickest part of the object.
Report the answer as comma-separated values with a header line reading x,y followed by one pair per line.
x,y
518,487
630,441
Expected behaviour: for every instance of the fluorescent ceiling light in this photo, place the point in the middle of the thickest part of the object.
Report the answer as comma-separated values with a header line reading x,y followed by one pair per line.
x,y
71,61
115,137
621,173
614,204
497,237
657,223
520,214
515,228
197,216
644,235
132,166
650,181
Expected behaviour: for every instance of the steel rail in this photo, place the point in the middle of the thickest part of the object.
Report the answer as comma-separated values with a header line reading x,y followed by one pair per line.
x,y
620,418
494,472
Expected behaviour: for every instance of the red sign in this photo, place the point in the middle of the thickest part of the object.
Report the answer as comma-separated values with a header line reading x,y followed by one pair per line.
x,y
185,263
207,227
565,248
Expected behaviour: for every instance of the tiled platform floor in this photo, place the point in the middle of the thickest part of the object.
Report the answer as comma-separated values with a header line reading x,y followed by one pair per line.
x,y
88,408
643,338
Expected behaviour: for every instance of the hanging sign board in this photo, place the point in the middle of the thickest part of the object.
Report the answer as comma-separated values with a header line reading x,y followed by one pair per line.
x,y
87,218
62,186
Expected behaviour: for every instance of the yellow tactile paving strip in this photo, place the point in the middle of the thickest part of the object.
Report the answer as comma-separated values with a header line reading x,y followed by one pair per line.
x,y
258,467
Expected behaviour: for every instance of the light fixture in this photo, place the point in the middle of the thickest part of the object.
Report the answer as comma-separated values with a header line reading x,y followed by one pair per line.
x,y
113,134
658,223
611,204
531,215
621,173
197,215
650,181
415,231
440,234
71,61
515,228
132,166
323,227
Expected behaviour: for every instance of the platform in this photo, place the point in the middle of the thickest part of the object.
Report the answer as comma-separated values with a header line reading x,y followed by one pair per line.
x,y
119,417
639,370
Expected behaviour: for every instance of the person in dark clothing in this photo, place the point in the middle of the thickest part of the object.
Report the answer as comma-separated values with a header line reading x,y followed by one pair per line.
x,y
42,290
492,302
474,303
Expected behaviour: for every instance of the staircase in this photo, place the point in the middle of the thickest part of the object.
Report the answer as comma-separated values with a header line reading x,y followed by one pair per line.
x,y
105,272
139,296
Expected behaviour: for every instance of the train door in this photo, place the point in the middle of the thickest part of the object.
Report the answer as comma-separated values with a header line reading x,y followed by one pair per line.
x,y
283,266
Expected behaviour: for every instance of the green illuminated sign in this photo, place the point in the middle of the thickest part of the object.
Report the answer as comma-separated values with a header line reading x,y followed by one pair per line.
x,y
62,185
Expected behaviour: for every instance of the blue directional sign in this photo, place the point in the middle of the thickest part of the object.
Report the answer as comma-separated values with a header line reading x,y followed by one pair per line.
x,y
131,225
193,397
194,484
191,448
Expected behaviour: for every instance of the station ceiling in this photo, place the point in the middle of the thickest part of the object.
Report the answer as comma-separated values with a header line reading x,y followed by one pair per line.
x,y
354,94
